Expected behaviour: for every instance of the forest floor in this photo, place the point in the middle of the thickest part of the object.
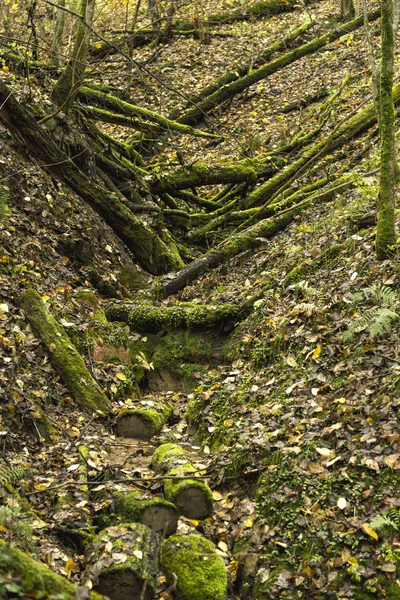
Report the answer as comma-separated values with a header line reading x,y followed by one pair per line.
x,y
292,413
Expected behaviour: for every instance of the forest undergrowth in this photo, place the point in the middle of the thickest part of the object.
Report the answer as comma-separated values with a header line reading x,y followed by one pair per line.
x,y
274,363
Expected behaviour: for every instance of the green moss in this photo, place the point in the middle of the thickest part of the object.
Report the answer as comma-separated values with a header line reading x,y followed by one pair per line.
x,y
307,267
200,572
150,318
136,576
147,421
157,513
393,591
35,576
64,356
182,490
179,357
132,278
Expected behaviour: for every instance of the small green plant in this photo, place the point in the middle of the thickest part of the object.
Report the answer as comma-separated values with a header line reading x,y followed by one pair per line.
x,y
13,523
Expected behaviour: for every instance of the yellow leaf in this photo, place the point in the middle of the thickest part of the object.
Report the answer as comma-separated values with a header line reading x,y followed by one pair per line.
x,y
194,522
228,423
249,521
217,496
316,352
99,45
352,561
291,361
70,566
52,347
41,486
121,376
3,529
45,298
393,461
369,531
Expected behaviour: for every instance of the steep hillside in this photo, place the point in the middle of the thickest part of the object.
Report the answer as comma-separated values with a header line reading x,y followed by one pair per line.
x,y
233,431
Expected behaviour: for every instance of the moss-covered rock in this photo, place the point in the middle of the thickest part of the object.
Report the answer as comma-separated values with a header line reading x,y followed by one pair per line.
x,y
33,577
143,421
158,514
191,495
178,359
200,572
123,562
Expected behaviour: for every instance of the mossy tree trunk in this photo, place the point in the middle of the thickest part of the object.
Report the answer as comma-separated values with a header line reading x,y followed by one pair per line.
x,y
152,319
385,233
71,77
146,246
35,576
347,10
189,493
64,356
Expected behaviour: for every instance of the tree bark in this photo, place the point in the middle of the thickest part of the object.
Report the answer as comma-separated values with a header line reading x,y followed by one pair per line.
x,y
56,59
347,10
385,233
143,422
146,246
71,78
136,577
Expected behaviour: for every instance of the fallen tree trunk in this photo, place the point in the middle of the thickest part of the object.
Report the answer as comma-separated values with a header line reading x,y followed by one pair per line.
x,y
190,494
199,174
152,319
245,240
66,359
143,422
100,114
242,70
35,577
131,572
148,249
197,113
88,95
344,132
158,514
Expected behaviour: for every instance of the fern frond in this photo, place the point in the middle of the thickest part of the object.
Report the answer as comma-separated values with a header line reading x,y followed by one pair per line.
x,y
382,321
381,294
381,521
14,520
376,320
